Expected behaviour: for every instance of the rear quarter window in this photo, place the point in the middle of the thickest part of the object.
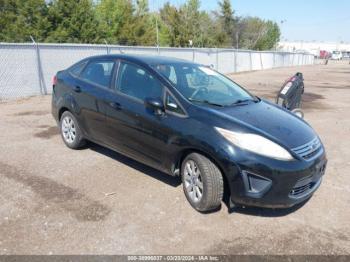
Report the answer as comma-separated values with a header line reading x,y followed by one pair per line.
x,y
78,68
98,72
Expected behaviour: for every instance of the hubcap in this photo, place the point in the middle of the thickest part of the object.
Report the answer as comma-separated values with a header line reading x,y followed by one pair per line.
x,y
68,129
193,181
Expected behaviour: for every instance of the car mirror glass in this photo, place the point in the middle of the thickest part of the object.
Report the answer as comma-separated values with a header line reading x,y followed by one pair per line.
x,y
172,105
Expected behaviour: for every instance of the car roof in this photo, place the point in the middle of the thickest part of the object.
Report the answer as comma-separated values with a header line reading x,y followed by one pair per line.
x,y
144,59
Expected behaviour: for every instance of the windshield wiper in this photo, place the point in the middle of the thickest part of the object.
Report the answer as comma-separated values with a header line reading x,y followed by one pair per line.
x,y
205,102
245,101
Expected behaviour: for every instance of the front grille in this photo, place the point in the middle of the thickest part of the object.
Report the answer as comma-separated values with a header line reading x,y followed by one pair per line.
x,y
298,190
308,150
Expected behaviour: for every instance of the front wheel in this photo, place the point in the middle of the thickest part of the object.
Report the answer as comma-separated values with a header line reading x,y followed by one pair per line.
x,y
70,131
202,182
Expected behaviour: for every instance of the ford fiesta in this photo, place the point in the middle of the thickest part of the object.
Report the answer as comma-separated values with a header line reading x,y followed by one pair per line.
x,y
188,120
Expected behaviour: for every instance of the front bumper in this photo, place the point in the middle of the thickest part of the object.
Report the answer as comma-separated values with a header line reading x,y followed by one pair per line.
x,y
275,184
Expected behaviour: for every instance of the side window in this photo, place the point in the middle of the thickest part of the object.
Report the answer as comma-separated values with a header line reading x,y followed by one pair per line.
x,y
172,106
196,79
76,69
172,75
98,72
168,71
137,82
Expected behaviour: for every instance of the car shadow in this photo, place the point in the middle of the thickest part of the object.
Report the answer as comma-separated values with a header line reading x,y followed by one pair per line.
x,y
149,171
265,212
176,181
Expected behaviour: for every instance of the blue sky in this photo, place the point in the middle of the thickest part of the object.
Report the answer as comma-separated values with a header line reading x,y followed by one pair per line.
x,y
306,20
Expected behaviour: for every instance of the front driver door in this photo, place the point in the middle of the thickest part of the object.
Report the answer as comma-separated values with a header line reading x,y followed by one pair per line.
x,y
133,129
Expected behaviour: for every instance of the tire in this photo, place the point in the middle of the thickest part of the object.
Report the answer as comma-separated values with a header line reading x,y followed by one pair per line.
x,y
210,179
70,131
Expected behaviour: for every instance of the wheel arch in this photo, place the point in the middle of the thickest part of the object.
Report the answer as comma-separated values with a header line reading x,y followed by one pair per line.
x,y
67,103
61,111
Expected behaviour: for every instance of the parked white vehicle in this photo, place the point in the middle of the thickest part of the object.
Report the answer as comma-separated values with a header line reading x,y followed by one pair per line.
x,y
346,55
337,55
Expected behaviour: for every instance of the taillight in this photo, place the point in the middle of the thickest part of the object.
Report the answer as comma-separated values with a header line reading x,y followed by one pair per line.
x,y
54,80
292,79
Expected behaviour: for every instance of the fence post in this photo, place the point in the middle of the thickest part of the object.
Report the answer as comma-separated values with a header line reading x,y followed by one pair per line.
x,y
274,59
235,60
217,59
250,61
107,47
120,49
42,84
193,54
261,62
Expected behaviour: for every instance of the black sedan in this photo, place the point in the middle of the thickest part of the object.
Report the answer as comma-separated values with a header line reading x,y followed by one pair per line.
x,y
188,120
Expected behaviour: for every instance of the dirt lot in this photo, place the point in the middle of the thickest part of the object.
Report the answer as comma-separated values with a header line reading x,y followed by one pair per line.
x,y
93,201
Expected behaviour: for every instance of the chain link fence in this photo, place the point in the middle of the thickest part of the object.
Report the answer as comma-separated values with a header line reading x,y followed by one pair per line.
x,y
27,69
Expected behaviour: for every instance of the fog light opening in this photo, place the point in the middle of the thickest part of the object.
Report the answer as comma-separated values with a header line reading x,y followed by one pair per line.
x,y
255,185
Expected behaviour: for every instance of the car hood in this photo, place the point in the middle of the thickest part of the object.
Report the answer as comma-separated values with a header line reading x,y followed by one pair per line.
x,y
269,120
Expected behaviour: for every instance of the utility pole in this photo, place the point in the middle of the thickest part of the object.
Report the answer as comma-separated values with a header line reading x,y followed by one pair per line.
x,y
283,21
157,34
157,31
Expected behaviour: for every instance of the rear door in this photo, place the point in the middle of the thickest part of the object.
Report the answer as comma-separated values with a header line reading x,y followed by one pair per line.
x,y
91,87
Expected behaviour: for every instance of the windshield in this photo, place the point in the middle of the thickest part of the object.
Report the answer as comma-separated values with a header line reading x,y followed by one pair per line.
x,y
202,84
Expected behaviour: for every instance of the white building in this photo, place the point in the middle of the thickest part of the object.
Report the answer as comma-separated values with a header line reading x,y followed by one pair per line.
x,y
313,47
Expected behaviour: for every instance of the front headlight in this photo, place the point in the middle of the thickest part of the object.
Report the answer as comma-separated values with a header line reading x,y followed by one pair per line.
x,y
257,144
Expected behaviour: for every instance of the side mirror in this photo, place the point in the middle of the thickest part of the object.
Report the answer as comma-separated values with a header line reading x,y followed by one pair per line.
x,y
156,104
172,105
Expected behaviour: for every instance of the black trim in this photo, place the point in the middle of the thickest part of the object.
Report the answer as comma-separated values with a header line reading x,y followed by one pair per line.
x,y
184,115
247,176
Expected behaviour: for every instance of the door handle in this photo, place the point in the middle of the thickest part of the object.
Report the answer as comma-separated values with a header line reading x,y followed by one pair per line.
x,y
115,105
77,89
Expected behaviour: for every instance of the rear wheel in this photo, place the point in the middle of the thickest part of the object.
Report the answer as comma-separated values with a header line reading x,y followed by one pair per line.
x,y
70,131
202,182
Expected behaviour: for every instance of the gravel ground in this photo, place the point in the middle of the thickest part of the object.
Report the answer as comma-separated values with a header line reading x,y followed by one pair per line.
x,y
54,200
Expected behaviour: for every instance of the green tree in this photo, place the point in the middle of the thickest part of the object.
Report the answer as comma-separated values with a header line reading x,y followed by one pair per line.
x,y
190,23
20,19
207,31
186,24
171,20
271,37
227,22
115,19
258,34
129,22
163,30
144,25
72,21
